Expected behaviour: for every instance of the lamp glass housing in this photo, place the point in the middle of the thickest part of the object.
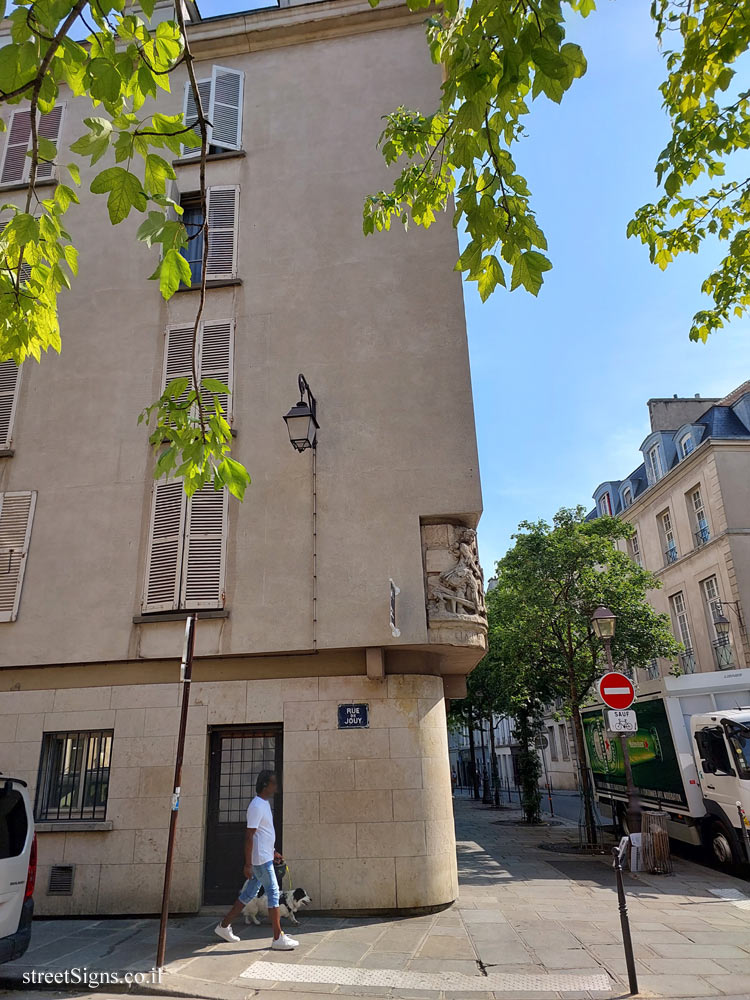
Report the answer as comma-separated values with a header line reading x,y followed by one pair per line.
x,y
302,426
721,624
603,621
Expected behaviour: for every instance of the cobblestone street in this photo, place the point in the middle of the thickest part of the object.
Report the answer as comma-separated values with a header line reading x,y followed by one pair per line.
x,y
529,924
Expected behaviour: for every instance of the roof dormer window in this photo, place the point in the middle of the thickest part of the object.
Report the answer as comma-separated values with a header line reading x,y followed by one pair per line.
x,y
605,505
654,464
687,445
627,497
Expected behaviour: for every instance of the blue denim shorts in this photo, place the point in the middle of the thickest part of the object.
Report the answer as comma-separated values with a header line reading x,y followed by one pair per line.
x,y
263,875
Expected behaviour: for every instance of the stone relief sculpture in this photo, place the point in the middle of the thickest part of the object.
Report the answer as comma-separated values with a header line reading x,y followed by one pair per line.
x,y
454,585
460,589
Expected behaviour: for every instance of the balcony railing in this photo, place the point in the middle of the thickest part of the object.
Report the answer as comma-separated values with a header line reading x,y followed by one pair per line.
x,y
723,653
670,554
687,661
652,670
702,535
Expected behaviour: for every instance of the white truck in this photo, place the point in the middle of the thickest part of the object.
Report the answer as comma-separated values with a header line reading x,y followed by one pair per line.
x,y
690,758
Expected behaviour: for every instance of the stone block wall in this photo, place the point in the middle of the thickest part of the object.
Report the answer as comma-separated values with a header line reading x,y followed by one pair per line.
x,y
367,813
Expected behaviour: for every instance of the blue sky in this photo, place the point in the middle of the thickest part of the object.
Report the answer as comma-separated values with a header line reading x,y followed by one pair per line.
x,y
561,381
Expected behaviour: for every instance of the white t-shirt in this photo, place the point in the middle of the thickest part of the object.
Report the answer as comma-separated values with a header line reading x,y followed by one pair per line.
x,y
260,819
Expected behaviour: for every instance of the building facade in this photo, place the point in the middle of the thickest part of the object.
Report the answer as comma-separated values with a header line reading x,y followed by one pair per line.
x,y
293,586
689,503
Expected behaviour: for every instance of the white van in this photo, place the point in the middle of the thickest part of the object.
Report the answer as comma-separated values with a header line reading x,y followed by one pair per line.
x,y
17,867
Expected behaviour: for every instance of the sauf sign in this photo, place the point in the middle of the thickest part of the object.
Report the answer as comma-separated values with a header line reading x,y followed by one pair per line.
x,y
354,716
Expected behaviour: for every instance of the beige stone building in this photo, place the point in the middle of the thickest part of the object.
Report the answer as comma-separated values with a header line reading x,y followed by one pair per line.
x,y
293,587
690,505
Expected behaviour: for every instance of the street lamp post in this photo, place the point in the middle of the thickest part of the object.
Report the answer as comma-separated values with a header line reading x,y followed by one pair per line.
x,y
603,621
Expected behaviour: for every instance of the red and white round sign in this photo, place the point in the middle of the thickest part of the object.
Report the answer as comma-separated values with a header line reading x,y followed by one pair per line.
x,y
616,690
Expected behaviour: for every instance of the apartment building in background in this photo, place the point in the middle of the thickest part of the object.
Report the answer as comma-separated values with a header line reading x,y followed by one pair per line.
x,y
299,665
689,503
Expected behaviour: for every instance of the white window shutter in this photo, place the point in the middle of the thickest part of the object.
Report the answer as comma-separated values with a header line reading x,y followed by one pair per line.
x,y
49,127
10,379
205,550
190,112
178,354
164,559
16,164
223,222
217,358
16,517
15,161
225,110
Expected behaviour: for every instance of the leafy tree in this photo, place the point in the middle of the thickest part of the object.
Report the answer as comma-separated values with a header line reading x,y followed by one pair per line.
x,y
549,584
483,687
710,118
497,59
120,67
522,689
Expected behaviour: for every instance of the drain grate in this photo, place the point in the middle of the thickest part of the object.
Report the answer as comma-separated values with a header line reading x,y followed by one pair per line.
x,y
329,975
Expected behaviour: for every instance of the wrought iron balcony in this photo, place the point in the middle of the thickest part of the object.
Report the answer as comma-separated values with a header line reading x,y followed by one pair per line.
x,y
688,661
702,535
670,554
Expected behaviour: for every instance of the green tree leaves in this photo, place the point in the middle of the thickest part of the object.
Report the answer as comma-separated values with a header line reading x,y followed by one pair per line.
x,y
125,192
496,59
709,110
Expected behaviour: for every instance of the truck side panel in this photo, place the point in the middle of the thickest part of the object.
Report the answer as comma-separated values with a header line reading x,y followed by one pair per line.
x,y
655,761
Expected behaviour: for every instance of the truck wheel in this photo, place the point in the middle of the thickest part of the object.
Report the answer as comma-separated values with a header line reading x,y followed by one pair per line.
x,y
722,844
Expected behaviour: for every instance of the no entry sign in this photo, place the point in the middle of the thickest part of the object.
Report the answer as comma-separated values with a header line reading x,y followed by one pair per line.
x,y
616,690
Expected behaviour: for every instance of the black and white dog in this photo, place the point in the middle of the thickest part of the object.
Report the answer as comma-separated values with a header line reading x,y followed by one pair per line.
x,y
290,902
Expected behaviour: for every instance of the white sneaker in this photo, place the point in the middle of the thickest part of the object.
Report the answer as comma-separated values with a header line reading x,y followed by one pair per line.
x,y
225,933
285,943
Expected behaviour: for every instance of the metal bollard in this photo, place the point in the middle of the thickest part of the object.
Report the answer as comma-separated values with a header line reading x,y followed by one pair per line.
x,y
617,853
743,825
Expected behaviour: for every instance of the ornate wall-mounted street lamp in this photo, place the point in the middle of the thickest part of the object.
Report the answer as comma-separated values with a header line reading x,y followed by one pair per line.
x,y
301,420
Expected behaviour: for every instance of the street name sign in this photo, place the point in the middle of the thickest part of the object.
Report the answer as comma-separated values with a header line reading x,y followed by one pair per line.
x,y
354,716
616,690
622,720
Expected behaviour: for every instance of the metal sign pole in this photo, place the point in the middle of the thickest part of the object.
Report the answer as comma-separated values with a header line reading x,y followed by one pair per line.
x,y
186,672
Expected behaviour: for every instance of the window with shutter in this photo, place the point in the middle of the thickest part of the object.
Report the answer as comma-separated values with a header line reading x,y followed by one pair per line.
x,y
187,540
16,164
16,517
217,358
221,99
214,355
223,215
10,379
205,547
190,111
164,560
225,108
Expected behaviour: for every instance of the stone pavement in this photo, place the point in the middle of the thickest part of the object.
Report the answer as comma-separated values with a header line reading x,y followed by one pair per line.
x,y
530,924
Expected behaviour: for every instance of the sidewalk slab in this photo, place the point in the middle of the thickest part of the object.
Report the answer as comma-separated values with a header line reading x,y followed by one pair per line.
x,y
526,919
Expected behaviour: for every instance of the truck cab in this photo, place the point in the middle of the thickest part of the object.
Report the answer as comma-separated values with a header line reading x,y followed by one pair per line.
x,y
721,749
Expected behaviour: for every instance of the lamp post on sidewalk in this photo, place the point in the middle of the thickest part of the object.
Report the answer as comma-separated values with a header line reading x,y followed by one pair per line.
x,y
603,621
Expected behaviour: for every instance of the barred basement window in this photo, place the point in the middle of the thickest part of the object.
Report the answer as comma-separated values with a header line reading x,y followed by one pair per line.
x,y
74,776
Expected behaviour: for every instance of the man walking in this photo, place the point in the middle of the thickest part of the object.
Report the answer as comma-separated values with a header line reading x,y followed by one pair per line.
x,y
260,853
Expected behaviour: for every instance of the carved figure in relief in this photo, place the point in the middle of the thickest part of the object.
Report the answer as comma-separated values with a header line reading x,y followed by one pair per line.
x,y
459,590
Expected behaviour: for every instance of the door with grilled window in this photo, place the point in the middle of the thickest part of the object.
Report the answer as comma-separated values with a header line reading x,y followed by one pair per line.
x,y
237,756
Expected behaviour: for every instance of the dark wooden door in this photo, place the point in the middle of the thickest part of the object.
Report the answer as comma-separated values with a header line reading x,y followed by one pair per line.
x,y
237,756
